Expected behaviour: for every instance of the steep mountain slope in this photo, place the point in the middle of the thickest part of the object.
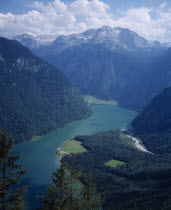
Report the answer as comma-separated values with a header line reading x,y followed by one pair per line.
x,y
108,63
153,125
157,115
35,97
162,71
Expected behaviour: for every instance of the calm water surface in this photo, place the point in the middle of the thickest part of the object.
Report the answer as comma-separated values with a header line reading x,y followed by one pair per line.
x,y
39,157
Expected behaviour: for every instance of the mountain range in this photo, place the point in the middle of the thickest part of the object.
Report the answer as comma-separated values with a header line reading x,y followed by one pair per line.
x,y
111,63
35,96
34,42
113,38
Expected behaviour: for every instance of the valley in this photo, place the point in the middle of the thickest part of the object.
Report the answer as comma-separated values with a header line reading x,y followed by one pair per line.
x,y
85,105
64,126
43,152
111,63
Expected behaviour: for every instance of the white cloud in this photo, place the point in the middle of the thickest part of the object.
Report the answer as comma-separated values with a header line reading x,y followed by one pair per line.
x,y
162,6
140,20
94,8
55,6
93,14
57,17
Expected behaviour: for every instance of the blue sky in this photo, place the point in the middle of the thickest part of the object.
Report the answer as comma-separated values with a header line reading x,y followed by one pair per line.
x,y
149,18
21,6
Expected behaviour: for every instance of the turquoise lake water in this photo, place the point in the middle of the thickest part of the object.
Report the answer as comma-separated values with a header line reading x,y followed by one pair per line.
x,y
40,159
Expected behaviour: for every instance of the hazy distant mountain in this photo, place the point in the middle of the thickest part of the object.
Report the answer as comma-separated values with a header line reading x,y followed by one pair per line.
x,y
110,63
35,96
167,44
117,39
34,42
27,40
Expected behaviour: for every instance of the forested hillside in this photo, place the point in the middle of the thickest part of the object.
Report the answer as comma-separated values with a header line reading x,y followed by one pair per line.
x,y
141,182
35,96
153,124
157,115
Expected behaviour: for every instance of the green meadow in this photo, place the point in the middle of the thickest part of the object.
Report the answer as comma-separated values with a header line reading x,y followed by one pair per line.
x,y
114,163
73,146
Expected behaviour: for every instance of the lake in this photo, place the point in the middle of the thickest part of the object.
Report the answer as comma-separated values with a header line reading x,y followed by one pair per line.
x,y
40,158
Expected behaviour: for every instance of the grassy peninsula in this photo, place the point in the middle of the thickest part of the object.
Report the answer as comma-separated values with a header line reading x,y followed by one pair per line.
x,y
71,147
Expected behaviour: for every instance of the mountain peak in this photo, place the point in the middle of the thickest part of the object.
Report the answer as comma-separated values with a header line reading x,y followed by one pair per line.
x,y
106,28
112,38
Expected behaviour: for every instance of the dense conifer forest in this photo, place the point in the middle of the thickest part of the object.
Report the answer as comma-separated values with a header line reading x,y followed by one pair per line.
x,y
36,98
143,182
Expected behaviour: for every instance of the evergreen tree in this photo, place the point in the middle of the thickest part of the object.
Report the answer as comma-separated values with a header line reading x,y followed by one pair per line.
x,y
56,193
10,175
67,192
91,199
